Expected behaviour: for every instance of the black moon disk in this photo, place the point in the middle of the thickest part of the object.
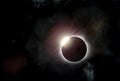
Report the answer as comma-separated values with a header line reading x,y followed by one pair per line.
x,y
75,50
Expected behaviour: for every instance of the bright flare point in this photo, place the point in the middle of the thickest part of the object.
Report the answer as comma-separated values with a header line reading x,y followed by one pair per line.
x,y
65,40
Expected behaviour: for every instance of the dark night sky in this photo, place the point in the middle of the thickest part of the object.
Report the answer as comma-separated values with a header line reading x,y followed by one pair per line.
x,y
25,57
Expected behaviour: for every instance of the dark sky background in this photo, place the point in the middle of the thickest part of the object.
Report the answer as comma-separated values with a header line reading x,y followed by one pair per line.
x,y
27,53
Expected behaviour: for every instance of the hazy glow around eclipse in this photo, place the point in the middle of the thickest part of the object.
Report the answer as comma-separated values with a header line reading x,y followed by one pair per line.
x,y
64,41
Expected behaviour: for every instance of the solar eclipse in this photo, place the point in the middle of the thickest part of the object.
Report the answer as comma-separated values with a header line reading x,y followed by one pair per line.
x,y
73,49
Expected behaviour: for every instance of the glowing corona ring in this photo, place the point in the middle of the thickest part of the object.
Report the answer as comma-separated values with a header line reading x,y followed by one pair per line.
x,y
65,41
